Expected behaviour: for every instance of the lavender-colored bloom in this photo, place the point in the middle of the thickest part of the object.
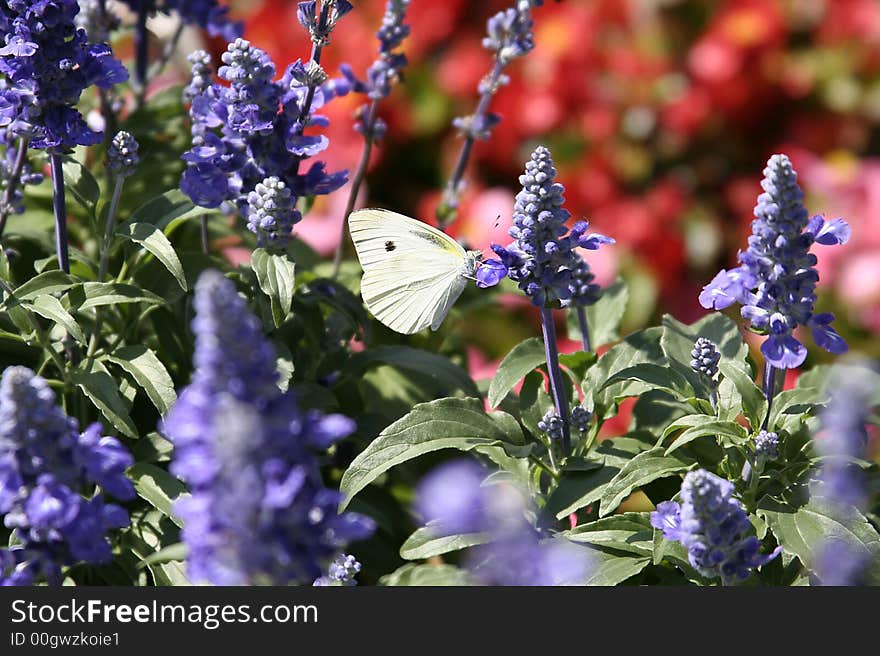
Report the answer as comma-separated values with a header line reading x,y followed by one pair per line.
x,y
200,77
714,527
551,424
272,213
454,499
776,279
48,63
122,154
210,15
342,572
541,259
259,512
385,71
45,466
705,357
252,129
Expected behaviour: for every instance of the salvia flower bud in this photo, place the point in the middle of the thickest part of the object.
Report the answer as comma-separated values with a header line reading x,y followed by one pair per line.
x,y
705,357
122,154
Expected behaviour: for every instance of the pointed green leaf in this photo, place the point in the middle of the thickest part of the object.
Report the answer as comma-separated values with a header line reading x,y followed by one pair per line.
x,y
167,211
157,487
446,374
103,392
48,282
655,376
631,532
522,359
425,543
50,308
603,317
753,399
646,467
155,241
275,275
710,428
444,424
609,567
96,294
149,372
426,575
81,183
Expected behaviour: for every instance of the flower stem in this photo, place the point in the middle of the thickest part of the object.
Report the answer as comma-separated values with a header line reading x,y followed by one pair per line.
x,y
59,205
585,329
556,385
448,209
105,258
12,183
357,180
204,232
142,55
770,382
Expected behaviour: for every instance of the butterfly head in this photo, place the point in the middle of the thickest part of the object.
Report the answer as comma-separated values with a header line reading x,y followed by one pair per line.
x,y
472,261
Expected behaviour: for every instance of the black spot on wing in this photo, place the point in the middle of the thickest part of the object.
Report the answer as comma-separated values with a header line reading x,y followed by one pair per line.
x,y
390,245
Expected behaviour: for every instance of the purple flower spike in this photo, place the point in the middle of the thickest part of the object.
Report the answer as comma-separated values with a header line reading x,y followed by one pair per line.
x,y
776,280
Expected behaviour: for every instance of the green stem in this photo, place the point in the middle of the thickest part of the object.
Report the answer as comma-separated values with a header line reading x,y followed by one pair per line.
x,y
105,258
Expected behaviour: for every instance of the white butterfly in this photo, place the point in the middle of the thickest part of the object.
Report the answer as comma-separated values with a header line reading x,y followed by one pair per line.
x,y
413,273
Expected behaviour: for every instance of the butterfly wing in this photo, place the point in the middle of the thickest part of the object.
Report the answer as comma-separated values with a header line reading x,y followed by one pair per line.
x,y
412,272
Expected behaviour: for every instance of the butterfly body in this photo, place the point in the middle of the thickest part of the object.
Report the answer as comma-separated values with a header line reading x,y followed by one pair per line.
x,y
413,273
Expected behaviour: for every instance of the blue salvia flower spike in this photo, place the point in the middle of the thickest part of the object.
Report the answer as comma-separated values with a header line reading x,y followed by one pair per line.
x,y
259,512
776,280
46,467
714,527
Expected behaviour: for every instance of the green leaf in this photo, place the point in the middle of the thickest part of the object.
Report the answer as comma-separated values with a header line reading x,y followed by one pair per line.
x,y
82,184
609,567
50,308
753,399
49,282
167,211
579,488
640,347
103,392
426,575
96,294
425,543
603,317
631,532
157,487
678,338
792,408
149,372
446,374
155,241
804,531
655,376
704,428
523,358
275,275
171,553
645,467
444,424
4,266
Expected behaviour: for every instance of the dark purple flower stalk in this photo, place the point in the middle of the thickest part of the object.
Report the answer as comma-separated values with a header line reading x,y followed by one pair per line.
x,y
59,208
259,512
380,76
509,36
48,470
455,499
15,173
542,260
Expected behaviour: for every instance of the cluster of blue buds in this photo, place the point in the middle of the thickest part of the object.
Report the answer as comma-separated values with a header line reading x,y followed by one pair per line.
x,y
551,424
776,279
583,290
207,14
252,129
122,154
766,446
342,572
259,512
705,357
48,471
714,527
48,62
455,499
542,259
272,212
580,418
385,71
